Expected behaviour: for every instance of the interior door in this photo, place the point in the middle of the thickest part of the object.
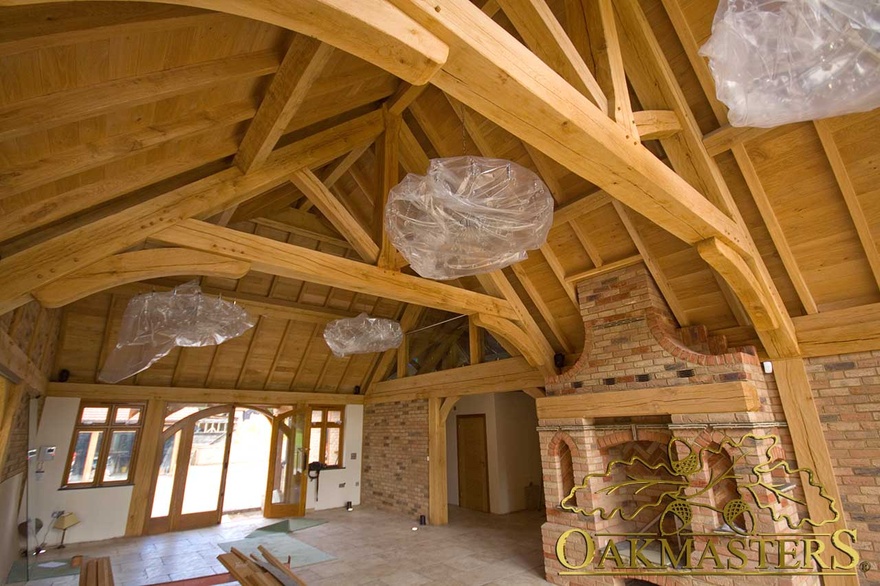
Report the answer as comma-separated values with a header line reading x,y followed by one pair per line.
x,y
191,471
288,460
473,463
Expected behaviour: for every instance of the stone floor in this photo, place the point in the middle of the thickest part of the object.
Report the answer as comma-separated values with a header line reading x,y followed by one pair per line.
x,y
371,547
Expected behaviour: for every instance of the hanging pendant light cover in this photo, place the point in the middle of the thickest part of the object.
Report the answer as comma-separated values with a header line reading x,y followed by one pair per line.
x,y
781,61
362,334
467,216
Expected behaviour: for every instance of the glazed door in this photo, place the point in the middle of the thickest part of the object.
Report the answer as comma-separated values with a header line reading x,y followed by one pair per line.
x,y
288,460
191,471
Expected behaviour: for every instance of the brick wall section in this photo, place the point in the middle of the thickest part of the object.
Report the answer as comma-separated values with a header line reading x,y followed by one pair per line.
x,y
35,331
847,393
395,466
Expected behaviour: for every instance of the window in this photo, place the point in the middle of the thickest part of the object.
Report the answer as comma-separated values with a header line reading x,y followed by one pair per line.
x,y
103,446
325,439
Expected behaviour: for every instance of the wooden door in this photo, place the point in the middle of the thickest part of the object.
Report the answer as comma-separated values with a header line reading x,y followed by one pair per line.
x,y
473,463
288,459
190,471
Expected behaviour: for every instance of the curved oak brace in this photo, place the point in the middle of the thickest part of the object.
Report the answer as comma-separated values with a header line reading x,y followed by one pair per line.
x,y
130,267
736,272
514,335
377,32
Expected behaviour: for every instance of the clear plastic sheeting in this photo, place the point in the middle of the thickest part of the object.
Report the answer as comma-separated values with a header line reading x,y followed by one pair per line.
x,y
781,61
154,323
362,334
468,216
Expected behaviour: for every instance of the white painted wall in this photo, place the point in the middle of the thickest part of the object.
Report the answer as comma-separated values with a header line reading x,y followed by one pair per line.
x,y
9,546
342,485
512,447
102,511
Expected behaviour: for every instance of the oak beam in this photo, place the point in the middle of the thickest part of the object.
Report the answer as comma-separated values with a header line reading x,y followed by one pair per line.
x,y
731,397
130,267
841,331
810,451
657,124
339,216
500,376
542,33
438,497
286,260
539,107
259,305
57,257
97,391
388,166
727,137
145,464
734,270
302,65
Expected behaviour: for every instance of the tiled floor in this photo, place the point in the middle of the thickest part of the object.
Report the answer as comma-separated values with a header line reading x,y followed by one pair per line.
x,y
371,547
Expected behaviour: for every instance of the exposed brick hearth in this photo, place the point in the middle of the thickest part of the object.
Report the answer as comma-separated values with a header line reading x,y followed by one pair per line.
x,y
633,342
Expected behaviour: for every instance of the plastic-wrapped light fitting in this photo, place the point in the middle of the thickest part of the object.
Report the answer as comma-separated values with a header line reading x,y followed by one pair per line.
x,y
781,61
468,215
154,323
362,334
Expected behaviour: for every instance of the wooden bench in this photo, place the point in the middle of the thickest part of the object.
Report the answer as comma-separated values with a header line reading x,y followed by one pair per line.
x,y
96,572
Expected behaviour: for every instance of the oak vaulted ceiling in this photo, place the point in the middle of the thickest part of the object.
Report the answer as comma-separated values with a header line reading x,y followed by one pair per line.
x,y
144,141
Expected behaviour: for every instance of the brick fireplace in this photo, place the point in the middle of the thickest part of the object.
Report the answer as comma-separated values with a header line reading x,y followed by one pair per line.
x,y
633,342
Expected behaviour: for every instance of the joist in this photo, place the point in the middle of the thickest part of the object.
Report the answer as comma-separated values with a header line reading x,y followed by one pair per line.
x,y
844,181
59,108
104,392
727,137
303,224
296,262
335,211
605,268
730,397
549,317
64,254
510,374
580,207
619,103
543,34
303,63
84,157
130,267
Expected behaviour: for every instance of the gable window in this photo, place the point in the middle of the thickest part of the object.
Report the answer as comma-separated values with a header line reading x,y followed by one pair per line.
x,y
325,439
104,445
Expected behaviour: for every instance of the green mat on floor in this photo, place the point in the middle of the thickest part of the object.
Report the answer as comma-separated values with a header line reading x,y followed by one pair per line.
x,y
282,546
39,570
285,526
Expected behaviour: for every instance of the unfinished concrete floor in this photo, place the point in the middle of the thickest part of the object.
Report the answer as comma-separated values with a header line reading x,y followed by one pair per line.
x,y
371,547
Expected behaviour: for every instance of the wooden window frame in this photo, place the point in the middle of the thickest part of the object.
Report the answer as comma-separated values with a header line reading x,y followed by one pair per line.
x,y
108,427
324,425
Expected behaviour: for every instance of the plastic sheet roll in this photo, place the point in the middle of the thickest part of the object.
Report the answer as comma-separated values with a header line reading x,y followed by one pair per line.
x,y
154,323
781,61
362,334
468,216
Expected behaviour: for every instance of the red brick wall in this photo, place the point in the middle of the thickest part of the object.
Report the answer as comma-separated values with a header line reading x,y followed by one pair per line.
x,y
395,466
847,393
